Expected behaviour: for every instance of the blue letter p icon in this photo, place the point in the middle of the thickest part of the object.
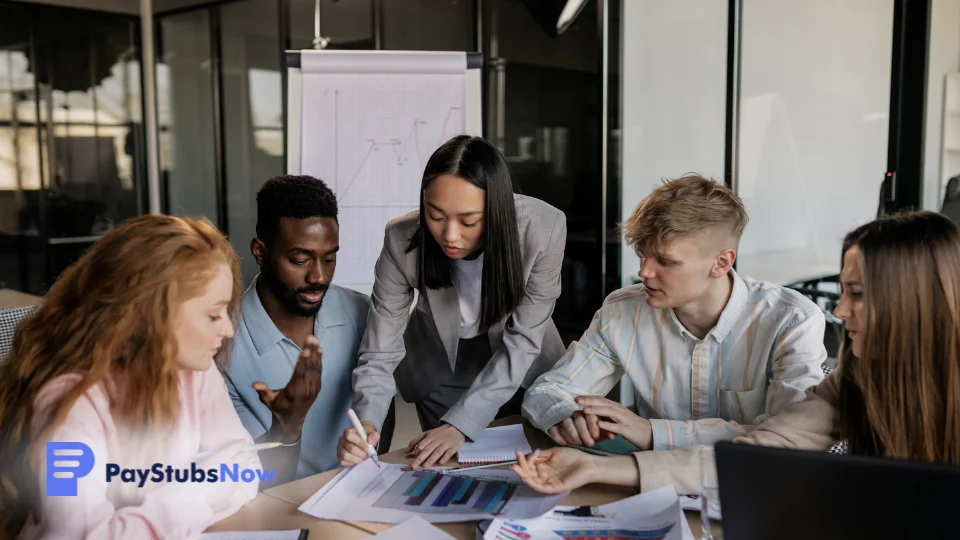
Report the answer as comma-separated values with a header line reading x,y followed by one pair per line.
x,y
67,462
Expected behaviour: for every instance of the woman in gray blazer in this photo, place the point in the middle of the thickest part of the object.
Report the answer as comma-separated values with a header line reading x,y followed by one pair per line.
x,y
486,264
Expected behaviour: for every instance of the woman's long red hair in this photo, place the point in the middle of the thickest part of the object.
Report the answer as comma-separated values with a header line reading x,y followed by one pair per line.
x,y
112,313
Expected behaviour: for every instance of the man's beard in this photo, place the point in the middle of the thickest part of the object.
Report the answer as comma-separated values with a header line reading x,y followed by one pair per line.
x,y
290,298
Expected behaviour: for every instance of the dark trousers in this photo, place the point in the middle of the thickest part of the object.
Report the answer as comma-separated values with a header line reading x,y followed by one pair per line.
x,y
472,356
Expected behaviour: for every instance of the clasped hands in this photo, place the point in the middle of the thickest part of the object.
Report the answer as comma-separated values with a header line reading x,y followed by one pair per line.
x,y
601,420
564,469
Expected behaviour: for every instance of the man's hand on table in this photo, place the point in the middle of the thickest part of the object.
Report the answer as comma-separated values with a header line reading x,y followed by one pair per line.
x,y
600,420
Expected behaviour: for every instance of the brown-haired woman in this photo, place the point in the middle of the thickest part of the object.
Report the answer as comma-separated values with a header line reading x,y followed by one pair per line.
x,y
896,393
120,358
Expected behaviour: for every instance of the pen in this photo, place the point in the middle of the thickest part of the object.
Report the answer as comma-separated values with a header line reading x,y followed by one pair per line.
x,y
251,448
371,451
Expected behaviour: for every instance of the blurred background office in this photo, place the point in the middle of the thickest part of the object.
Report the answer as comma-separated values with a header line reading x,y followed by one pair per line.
x,y
804,108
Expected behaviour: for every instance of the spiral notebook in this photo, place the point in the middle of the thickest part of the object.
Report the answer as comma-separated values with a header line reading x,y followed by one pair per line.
x,y
495,445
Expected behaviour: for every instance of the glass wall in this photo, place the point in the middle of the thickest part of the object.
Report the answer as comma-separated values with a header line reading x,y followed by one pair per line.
x,y
674,99
71,139
20,174
813,123
185,115
543,108
941,158
252,114
809,129
450,26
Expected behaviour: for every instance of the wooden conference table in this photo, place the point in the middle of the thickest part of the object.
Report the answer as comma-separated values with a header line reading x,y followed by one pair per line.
x,y
276,508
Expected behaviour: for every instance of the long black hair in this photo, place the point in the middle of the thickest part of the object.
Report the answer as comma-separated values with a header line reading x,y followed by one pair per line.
x,y
480,163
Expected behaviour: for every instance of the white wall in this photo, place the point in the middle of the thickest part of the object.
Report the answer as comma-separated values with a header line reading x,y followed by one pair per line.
x,y
944,58
674,61
814,108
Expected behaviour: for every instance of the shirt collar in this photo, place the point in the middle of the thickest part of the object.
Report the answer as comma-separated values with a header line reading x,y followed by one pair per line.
x,y
731,312
265,334
729,315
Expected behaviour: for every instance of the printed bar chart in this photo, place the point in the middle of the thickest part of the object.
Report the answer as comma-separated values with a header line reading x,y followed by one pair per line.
x,y
449,492
494,496
464,495
391,493
425,491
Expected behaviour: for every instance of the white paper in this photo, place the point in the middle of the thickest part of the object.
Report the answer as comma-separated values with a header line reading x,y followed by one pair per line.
x,y
496,444
394,493
326,488
414,527
692,502
291,534
652,515
369,134
382,62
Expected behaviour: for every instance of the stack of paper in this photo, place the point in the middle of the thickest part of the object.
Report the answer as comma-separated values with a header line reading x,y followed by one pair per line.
x,y
495,445
655,515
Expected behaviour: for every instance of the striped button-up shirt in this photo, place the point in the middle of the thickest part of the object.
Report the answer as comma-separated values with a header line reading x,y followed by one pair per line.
x,y
765,351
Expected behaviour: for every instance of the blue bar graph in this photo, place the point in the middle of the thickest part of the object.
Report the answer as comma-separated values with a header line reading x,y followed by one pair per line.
x,y
501,490
449,491
417,488
422,493
431,493
464,496
505,499
463,490
489,490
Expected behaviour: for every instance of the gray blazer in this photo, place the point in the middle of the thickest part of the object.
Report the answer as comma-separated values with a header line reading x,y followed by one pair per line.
x,y
408,351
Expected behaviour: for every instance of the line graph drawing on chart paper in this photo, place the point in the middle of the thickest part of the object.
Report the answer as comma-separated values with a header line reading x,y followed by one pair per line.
x,y
372,135
378,135
402,153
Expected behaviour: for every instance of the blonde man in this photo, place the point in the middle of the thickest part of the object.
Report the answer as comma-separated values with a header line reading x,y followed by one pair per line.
x,y
709,352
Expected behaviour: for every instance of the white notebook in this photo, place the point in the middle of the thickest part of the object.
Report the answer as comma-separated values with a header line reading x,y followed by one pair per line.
x,y
495,445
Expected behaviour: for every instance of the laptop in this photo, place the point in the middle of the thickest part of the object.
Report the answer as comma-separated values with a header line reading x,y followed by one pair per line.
x,y
775,493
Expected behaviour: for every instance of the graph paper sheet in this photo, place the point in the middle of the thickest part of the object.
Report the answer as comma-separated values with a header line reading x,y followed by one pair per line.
x,y
392,493
372,122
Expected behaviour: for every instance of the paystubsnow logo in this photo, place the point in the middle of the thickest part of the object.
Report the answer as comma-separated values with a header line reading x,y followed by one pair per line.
x,y
67,462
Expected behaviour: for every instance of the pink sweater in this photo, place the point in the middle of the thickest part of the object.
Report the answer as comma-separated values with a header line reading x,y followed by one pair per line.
x,y
118,510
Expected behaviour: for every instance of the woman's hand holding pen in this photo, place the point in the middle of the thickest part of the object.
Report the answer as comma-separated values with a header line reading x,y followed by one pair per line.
x,y
351,449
